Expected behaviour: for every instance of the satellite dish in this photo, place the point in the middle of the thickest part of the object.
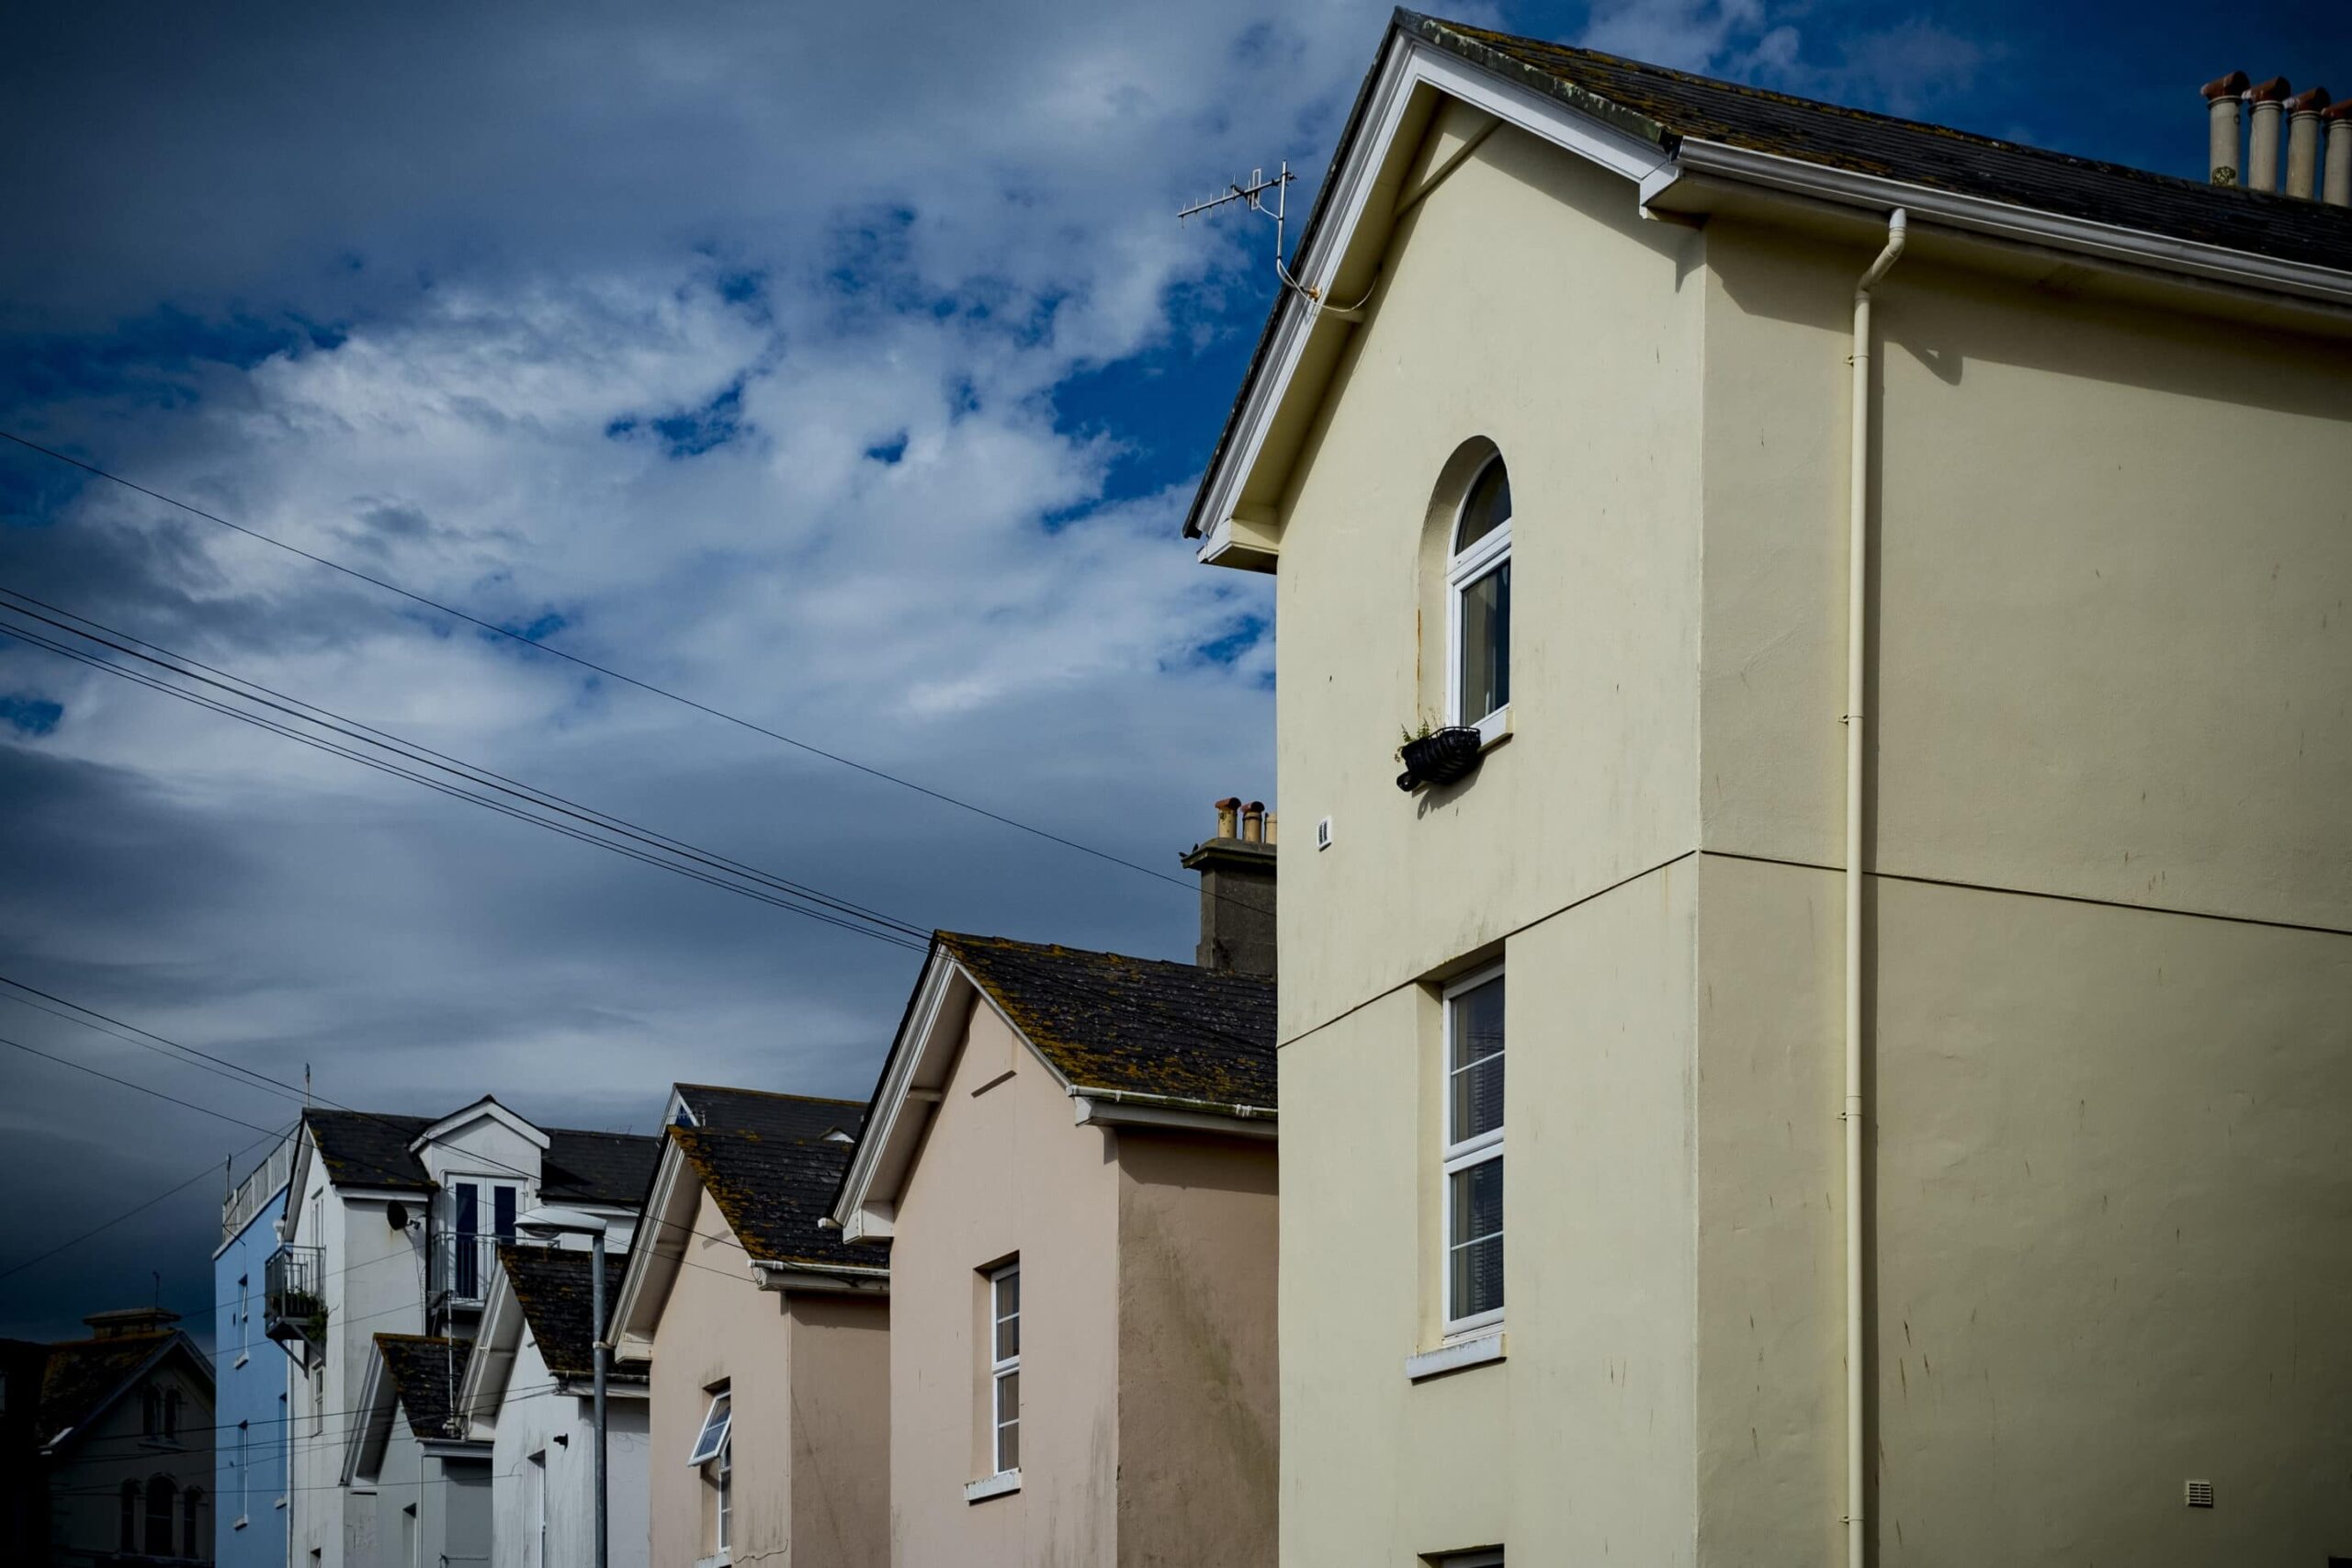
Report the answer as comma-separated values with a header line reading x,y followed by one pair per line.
x,y
396,1216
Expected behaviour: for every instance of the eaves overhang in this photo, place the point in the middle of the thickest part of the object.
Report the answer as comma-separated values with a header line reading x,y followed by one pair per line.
x,y
1236,511
657,1253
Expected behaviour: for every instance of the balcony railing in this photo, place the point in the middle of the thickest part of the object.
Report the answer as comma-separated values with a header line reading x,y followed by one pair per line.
x,y
294,1303
462,1267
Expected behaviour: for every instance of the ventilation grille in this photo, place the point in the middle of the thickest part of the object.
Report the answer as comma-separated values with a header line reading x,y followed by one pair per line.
x,y
2198,1493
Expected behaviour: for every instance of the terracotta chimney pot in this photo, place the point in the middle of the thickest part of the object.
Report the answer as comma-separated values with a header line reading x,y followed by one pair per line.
x,y
2221,95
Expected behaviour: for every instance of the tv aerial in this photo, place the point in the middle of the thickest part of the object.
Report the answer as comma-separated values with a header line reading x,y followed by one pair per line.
x,y
1254,197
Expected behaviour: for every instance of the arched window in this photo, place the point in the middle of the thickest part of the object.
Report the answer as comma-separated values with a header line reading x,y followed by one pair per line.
x,y
192,1522
171,1413
129,1539
150,1412
1478,582
161,1495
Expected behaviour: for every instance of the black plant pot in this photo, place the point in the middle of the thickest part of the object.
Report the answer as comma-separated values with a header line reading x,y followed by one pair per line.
x,y
1439,757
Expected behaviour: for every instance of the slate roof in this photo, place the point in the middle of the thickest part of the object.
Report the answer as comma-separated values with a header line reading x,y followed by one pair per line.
x,y
552,1286
1665,106
765,1161
364,1149
80,1377
1676,103
1139,1025
424,1370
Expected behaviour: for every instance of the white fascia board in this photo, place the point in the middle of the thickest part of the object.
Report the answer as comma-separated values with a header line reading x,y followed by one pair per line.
x,y
1095,1110
1411,63
483,1388
831,1279
487,1107
372,1425
668,1217
2006,220
890,1129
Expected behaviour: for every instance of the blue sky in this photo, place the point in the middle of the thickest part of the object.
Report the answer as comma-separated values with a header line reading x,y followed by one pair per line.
x,y
846,370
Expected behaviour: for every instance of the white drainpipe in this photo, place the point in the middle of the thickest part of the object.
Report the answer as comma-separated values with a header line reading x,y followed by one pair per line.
x,y
1857,560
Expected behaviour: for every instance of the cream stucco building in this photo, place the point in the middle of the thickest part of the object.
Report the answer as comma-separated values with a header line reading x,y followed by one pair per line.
x,y
767,1338
2096,652
1071,1158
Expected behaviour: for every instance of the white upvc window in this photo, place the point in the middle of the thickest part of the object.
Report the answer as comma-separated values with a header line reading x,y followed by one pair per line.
x,y
1477,583
715,1423
1472,1153
723,1476
1004,1366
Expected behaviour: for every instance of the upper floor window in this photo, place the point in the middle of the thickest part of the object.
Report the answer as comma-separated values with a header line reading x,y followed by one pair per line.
x,y
193,1534
161,1495
171,1413
1472,1152
1004,1366
1479,583
714,1452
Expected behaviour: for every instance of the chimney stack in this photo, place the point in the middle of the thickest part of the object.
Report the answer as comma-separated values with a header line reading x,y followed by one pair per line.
x,y
130,1323
2303,111
2338,191
2262,139
2221,97
1237,871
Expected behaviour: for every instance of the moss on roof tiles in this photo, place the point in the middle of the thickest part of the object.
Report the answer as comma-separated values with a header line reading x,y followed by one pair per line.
x,y
1136,1025
768,1163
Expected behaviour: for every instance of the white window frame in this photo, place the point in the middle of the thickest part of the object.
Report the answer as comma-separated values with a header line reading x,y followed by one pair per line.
x,y
1002,1367
1463,569
723,1476
716,1429
1472,1560
1454,1157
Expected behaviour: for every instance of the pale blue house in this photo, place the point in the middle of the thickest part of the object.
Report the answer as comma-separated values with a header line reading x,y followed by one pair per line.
x,y
250,1451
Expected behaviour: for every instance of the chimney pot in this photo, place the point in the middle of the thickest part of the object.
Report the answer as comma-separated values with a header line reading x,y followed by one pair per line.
x,y
2337,191
2222,96
2262,139
2302,141
1237,871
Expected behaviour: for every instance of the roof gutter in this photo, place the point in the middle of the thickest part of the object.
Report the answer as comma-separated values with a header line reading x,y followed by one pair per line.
x,y
1136,1108
2006,220
836,1277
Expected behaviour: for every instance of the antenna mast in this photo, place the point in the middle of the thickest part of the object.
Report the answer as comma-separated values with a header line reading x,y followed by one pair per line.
x,y
1254,197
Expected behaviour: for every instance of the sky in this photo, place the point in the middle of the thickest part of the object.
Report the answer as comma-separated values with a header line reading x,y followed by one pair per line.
x,y
842,368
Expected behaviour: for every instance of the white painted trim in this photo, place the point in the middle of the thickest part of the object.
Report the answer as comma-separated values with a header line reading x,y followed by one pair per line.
x,y
1462,569
660,1242
850,1209
1259,1125
1976,214
1455,1157
997,1485
485,1108
1003,1367
844,1278
1408,63
1456,1355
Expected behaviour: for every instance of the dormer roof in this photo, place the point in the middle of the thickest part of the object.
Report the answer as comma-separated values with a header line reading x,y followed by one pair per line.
x,y
486,1109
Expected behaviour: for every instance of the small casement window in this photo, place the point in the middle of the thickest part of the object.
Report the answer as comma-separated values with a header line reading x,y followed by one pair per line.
x,y
191,1521
1472,1152
723,1484
1004,1366
171,1413
161,1495
1479,583
716,1424
151,1411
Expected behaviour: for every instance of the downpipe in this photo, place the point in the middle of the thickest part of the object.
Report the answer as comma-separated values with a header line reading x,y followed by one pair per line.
x,y
1858,562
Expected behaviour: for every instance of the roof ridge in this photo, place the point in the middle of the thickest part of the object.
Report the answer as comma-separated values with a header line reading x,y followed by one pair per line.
x,y
951,938
773,1094
1774,95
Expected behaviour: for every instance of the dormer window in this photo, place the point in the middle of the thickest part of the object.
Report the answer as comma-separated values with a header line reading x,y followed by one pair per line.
x,y
1479,583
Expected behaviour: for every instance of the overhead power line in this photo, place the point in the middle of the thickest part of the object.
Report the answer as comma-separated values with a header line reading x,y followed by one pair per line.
x,y
602,829
606,670
142,1089
135,1210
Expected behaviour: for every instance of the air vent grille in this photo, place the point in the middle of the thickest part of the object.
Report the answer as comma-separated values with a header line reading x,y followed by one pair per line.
x,y
2198,1493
